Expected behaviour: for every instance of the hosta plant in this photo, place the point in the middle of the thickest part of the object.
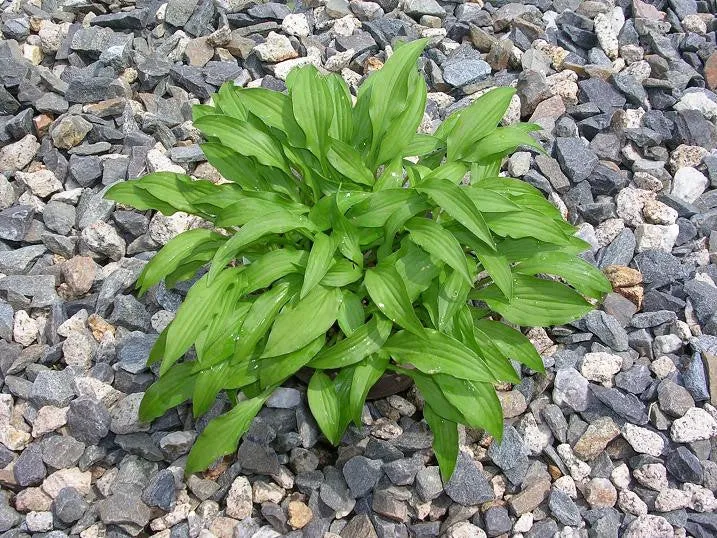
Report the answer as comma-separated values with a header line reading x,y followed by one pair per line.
x,y
348,243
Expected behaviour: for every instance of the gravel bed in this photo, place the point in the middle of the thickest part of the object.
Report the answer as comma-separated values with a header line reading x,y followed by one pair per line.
x,y
618,438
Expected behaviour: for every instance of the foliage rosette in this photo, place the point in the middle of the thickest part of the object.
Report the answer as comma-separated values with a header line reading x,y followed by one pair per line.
x,y
347,242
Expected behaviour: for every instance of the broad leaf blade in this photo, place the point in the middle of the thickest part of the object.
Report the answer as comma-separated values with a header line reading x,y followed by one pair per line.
x,y
477,402
435,240
365,375
445,441
222,434
364,341
389,294
321,258
324,405
297,325
512,343
170,390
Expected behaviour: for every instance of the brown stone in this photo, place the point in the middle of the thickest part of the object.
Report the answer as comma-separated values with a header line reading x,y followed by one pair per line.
x,y
710,362
79,274
99,327
223,527
596,438
42,124
359,527
372,64
711,71
633,294
199,52
600,493
513,403
621,276
299,514
531,497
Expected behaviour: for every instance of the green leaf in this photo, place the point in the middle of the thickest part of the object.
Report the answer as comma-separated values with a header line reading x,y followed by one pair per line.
x,y
536,302
348,236
351,313
445,441
275,370
436,353
433,394
321,258
233,166
196,312
486,169
391,177
435,240
501,142
512,343
342,121
477,402
477,121
365,376
274,265
313,106
452,295
415,268
526,223
222,434
389,294
342,273
375,211
487,201
454,201
170,390
253,207
244,138
260,317
297,325
364,341
581,275
208,384
498,268
228,101
132,194
174,253
273,223
324,405
349,163
422,144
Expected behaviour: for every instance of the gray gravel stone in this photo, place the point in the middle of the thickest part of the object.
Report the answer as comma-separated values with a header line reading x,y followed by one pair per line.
x,y
29,470
468,485
69,506
361,475
88,420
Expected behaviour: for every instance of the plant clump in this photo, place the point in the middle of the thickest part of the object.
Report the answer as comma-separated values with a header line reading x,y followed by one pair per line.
x,y
346,242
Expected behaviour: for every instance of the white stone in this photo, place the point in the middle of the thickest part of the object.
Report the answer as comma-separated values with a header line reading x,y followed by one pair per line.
x,y
339,61
345,26
276,48
18,155
649,526
658,213
566,484
642,440
79,349
699,101
600,367
672,499
620,476
578,469
39,521
103,239
607,37
663,366
701,498
77,322
688,184
464,529
162,228
51,35
652,475
694,23
48,419
630,202
696,425
67,478
630,502
667,343
10,436
239,499
296,24
656,237
313,56
608,230
157,161
524,523
25,329
519,164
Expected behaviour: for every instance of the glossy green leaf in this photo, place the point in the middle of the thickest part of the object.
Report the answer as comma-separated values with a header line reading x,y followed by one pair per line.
x,y
436,353
276,370
477,121
170,390
244,138
581,275
438,242
222,434
445,441
273,223
433,395
452,294
228,101
389,294
415,267
298,324
342,273
526,223
349,163
342,121
364,341
321,257
324,405
454,201
512,343
536,302
274,265
477,402
365,376
208,384
498,268
351,313
233,166
313,106
501,142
